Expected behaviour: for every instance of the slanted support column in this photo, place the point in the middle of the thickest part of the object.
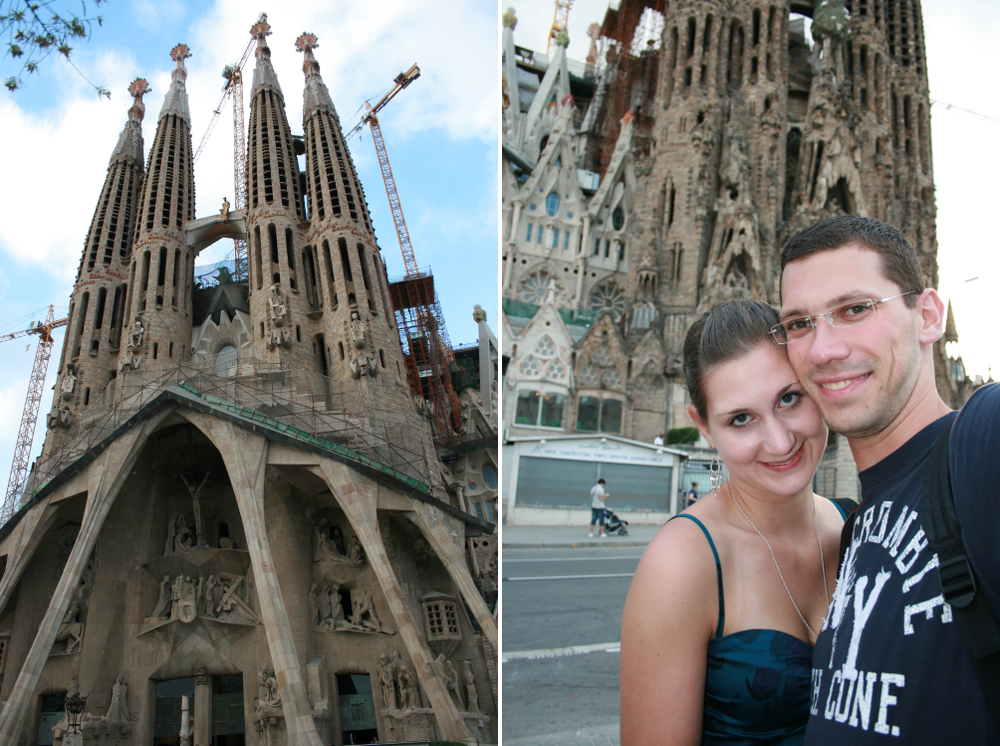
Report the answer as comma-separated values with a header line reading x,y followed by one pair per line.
x,y
105,478
442,539
31,531
358,497
245,456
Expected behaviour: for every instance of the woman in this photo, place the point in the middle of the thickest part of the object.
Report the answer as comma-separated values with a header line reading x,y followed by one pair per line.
x,y
726,603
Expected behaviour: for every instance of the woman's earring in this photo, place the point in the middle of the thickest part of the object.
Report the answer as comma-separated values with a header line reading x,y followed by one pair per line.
x,y
715,472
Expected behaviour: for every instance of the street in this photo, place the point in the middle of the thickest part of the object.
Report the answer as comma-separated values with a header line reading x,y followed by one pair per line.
x,y
562,611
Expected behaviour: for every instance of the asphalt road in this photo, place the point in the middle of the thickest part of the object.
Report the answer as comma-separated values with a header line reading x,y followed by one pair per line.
x,y
562,612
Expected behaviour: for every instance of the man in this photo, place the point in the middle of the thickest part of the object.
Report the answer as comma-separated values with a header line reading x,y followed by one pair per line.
x,y
693,494
597,498
658,440
891,665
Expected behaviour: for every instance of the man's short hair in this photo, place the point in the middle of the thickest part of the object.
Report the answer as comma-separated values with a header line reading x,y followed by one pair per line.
x,y
601,481
899,260
694,484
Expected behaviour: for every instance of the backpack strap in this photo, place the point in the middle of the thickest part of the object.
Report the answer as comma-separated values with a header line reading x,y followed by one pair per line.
x,y
958,582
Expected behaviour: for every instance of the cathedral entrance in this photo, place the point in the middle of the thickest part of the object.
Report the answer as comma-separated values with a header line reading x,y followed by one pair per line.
x,y
357,708
228,719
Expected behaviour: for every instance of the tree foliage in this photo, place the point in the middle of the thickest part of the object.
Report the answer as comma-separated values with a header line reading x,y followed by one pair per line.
x,y
34,29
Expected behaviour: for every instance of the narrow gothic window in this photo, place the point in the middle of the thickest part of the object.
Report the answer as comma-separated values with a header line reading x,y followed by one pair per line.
x,y
552,203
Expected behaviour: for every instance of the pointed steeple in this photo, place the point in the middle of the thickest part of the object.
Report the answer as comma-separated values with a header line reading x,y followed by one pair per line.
x,y
130,140
97,304
176,100
334,192
263,73
316,94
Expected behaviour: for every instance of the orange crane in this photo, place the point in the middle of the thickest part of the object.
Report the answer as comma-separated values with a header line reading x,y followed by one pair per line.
x,y
371,118
234,87
560,22
422,333
26,434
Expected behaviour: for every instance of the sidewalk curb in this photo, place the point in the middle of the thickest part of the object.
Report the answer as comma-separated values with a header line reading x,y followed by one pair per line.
x,y
571,545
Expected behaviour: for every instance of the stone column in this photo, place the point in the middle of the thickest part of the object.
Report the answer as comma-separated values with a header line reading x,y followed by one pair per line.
x,y
104,479
515,221
432,525
358,497
580,275
203,712
245,456
32,529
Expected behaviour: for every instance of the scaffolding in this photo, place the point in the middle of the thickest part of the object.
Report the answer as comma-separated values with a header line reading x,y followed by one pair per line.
x,y
631,74
299,401
428,353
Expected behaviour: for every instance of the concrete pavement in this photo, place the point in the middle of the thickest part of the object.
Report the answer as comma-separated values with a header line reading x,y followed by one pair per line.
x,y
527,537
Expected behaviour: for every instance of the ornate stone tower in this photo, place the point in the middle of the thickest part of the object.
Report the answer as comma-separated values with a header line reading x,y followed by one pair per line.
x,y
97,306
162,271
274,211
359,325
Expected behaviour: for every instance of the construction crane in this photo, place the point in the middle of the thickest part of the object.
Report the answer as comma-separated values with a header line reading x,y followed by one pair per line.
x,y
560,22
371,119
234,87
421,323
26,434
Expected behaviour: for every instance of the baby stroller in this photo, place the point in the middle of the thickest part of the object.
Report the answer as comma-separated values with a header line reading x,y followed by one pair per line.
x,y
613,523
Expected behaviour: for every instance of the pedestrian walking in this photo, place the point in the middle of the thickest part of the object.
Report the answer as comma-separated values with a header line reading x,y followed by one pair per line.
x,y
693,494
597,498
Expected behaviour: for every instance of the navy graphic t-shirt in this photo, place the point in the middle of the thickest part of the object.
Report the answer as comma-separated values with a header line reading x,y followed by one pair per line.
x,y
891,664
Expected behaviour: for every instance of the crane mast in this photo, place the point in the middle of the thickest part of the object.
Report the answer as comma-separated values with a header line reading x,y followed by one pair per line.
x,y
394,206
239,166
26,432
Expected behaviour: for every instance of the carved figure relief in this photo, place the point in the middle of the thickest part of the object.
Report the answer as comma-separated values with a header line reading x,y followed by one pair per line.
x,y
199,540
68,383
472,696
446,671
71,629
364,617
60,418
326,549
224,597
118,710
268,695
387,681
407,689
134,347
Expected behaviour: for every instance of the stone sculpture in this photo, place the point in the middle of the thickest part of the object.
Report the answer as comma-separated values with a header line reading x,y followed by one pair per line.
x,y
209,595
134,347
162,601
472,696
387,682
197,507
71,629
325,548
68,383
232,607
447,673
118,711
268,695
179,536
363,616
407,689
224,210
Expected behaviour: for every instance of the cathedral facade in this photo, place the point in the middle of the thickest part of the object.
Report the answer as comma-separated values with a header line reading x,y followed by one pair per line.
x,y
663,176
242,527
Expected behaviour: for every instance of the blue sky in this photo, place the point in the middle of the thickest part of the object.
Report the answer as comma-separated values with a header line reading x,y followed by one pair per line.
x,y
960,59
441,135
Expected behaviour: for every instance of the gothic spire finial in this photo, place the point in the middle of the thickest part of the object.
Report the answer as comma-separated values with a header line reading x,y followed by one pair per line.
x,y
261,30
137,89
316,94
175,102
307,43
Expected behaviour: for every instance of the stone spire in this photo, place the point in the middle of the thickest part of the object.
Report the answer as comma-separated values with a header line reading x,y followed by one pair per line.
x,y
130,140
263,73
176,100
316,94
97,303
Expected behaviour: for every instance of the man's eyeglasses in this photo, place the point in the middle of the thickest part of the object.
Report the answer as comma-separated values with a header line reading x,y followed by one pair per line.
x,y
849,314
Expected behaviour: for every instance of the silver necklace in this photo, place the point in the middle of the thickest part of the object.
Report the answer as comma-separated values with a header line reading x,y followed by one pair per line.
x,y
822,560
